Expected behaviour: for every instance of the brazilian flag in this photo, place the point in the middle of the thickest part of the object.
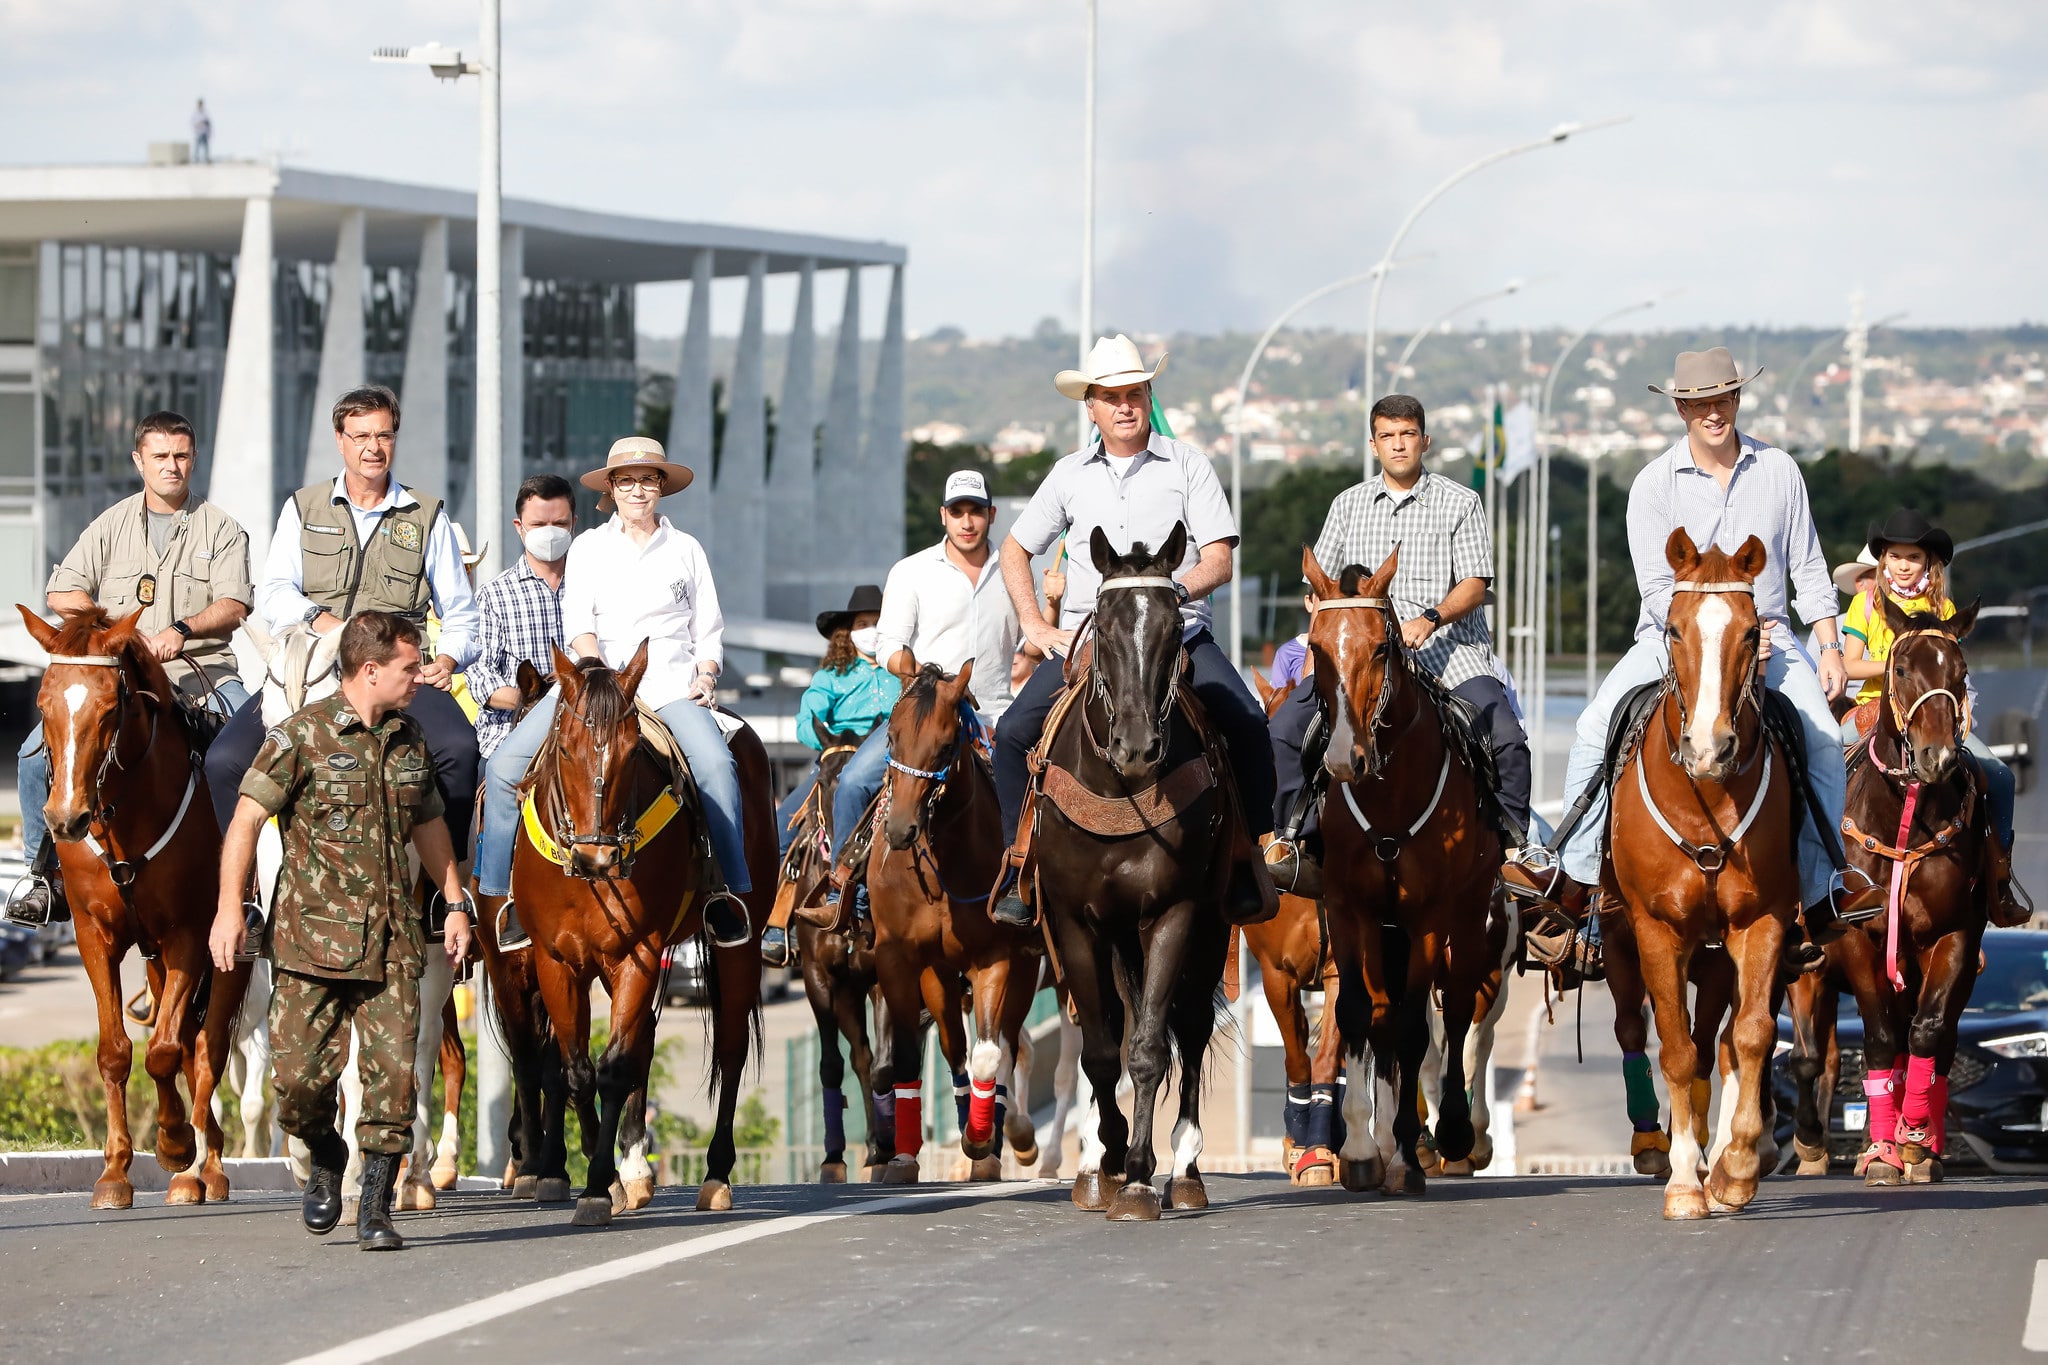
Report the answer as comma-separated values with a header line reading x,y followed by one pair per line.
x,y
1492,447
1159,418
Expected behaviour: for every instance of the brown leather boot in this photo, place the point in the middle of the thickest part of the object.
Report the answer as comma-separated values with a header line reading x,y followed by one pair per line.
x,y
1252,898
1293,870
824,912
2011,907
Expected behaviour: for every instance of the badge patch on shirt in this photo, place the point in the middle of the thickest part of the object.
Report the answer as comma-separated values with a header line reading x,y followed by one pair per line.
x,y
405,535
145,589
275,734
337,822
341,763
680,589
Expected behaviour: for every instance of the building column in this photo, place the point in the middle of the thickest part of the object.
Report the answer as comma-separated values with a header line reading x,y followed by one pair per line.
x,y
243,479
512,274
839,473
689,422
792,470
424,437
341,346
739,504
881,542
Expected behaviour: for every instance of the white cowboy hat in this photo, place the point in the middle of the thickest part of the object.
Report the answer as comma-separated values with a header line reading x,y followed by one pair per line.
x,y
1849,571
1113,363
470,558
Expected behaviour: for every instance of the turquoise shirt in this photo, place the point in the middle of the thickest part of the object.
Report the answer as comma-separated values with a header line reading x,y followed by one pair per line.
x,y
856,700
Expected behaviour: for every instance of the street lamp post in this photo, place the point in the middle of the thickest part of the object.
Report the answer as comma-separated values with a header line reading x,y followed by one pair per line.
x,y
1087,218
1372,317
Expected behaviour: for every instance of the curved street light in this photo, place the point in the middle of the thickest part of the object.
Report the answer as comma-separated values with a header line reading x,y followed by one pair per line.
x,y
1511,287
1372,318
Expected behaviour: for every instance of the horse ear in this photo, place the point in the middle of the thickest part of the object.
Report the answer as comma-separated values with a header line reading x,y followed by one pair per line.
x,y
634,671
1681,554
1099,552
122,632
824,735
44,633
566,673
1894,614
530,682
1265,688
957,688
1176,547
326,649
1322,583
259,636
1750,559
1964,621
1384,575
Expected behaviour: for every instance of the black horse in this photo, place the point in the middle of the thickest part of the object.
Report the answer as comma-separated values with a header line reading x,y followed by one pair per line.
x,y
1133,857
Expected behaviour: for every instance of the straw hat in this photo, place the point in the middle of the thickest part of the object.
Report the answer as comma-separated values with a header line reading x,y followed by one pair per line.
x,y
1113,363
1705,374
637,452
1848,572
470,558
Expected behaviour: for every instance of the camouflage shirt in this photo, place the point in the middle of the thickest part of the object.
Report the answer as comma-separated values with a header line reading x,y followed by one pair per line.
x,y
347,796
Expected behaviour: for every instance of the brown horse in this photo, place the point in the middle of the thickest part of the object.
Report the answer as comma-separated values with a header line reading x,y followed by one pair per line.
x,y
1135,844
620,878
1917,818
140,854
1293,953
943,839
839,973
1712,974
1700,851
1408,882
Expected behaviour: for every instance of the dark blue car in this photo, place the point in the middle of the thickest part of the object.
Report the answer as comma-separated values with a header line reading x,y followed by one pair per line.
x,y
1998,1087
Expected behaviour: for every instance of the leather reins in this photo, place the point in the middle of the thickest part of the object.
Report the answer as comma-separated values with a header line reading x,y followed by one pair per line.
x,y
124,871
1386,846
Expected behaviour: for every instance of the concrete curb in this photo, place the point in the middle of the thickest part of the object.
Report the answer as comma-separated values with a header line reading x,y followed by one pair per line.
x,y
67,1172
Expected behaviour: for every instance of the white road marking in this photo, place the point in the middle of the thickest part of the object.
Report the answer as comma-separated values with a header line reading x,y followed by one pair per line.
x,y
2035,1337
405,1336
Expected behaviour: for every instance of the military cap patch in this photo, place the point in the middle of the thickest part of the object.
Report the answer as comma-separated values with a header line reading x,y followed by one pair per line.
x,y
405,535
341,763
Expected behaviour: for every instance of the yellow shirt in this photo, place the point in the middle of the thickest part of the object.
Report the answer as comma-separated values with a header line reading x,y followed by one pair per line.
x,y
1870,627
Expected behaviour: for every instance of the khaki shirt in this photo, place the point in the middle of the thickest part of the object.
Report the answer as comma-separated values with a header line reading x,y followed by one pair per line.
x,y
346,796
205,560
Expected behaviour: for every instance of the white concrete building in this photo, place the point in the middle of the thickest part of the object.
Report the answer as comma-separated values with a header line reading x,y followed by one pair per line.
x,y
120,293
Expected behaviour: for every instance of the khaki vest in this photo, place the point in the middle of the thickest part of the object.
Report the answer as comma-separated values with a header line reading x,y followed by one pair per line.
x,y
345,577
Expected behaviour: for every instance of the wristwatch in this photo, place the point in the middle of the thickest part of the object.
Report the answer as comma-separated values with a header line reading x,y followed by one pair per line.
x,y
1434,617
1180,590
1835,645
182,629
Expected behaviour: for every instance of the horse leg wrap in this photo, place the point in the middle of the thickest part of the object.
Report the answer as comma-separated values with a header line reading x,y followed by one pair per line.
x,y
1338,1132
980,1117
1916,1107
1884,1106
960,1099
1642,1092
1319,1130
1937,1127
909,1120
835,1125
1297,1114
1001,1111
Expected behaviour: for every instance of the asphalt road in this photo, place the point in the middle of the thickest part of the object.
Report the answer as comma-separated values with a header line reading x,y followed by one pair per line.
x,y
1531,1269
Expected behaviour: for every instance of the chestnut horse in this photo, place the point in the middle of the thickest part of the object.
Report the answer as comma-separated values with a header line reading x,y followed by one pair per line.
x,y
1700,851
140,853
1916,820
1408,878
618,880
1134,851
942,838
1293,953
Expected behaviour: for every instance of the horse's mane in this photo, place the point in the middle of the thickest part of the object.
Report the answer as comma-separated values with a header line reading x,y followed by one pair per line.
x,y
1716,566
75,631
922,691
605,703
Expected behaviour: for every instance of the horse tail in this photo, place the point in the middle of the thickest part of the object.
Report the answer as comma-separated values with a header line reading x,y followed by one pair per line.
x,y
714,1011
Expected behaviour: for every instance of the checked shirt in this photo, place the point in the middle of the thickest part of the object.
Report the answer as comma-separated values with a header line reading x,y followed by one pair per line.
x,y
1441,529
519,617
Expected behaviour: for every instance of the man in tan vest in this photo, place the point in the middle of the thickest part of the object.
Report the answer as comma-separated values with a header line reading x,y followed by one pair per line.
x,y
182,562
366,542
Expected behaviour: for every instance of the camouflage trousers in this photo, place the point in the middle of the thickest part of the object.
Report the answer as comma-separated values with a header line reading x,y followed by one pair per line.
x,y
310,1019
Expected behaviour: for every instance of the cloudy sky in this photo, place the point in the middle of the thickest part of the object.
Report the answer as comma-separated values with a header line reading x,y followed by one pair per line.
x,y
1780,154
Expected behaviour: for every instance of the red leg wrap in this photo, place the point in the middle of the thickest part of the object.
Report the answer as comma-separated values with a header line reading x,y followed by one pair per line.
x,y
981,1110
909,1120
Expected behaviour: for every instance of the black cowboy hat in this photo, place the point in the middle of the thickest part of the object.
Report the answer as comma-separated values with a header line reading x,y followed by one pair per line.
x,y
866,597
1907,526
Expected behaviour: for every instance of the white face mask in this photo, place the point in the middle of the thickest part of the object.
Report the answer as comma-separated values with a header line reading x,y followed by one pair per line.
x,y
867,639
547,543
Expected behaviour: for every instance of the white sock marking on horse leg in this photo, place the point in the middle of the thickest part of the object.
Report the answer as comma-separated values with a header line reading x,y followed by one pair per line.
x,y
1091,1139
1431,1081
633,1163
1187,1146
1357,1108
1066,1080
1724,1124
1712,622
1386,1108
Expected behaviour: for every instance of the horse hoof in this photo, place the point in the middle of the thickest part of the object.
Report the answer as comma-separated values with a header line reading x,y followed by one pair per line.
x,y
1685,1205
1812,1166
1023,1139
1135,1203
1482,1154
1360,1176
1025,1157
985,1169
978,1151
1654,1163
1926,1172
1049,1166
1461,1167
639,1193
714,1196
1404,1180
113,1194
1883,1173
552,1189
617,1194
444,1174
1428,1159
877,1174
185,1189
832,1173
592,1211
1187,1192
216,1185
1093,1190
901,1170
1913,1153
1731,1194
1314,1167
524,1186
415,1197
175,1148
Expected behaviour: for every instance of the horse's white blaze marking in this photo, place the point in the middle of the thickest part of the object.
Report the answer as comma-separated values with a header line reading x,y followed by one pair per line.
x,y
1712,622
435,1326
74,697
1357,1109
2035,1337
985,1060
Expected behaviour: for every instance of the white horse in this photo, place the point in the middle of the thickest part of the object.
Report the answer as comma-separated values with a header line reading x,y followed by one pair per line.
x,y
248,1072
1478,1055
301,666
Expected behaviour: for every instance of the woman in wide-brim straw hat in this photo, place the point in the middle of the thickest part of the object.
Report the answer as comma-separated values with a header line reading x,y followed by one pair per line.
x,y
638,578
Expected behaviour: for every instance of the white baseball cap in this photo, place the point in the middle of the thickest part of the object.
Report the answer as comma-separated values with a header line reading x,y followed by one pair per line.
x,y
966,485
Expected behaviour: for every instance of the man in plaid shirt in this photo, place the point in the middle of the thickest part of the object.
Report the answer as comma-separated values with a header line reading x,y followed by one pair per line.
x,y
1439,588
520,611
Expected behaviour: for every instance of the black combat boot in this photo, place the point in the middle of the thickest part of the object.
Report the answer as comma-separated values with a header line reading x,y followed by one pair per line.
x,y
373,1210
322,1206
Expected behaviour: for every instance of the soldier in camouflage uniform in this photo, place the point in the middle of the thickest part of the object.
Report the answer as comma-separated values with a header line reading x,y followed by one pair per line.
x,y
350,780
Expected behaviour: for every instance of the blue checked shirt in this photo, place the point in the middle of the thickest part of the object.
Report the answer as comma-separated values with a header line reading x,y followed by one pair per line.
x,y
1441,529
519,617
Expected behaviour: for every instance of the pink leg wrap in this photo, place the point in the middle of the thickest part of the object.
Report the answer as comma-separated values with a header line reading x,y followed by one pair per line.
x,y
1938,1127
1916,1107
981,1110
1884,1106
909,1120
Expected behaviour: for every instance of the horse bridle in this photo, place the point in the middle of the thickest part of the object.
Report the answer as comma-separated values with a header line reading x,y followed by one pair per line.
x,y
1747,696
564,831
1098,685
1376,719
123,871
1903,716
921,850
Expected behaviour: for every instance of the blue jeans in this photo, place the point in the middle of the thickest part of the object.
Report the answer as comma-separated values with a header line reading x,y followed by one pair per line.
x,y
786,812
33,771
711,764
861,779
1788,674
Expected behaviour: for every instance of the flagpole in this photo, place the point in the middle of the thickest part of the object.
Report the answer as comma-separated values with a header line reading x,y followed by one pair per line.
x,y
1486,453
1087,336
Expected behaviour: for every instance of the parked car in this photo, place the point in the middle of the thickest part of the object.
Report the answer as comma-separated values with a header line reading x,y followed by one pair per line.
x,y
684,966
19,950
1998,1085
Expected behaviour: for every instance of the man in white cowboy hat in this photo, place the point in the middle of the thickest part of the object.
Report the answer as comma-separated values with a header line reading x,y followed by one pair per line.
x,y
1723,487
1133,484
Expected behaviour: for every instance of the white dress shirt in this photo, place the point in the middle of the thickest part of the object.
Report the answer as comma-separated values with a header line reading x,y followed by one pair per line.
x,y
282,600
660,592
934,610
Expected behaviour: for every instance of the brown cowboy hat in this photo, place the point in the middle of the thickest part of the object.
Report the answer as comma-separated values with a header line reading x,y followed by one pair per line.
x,y
866,597
637,452
1705,374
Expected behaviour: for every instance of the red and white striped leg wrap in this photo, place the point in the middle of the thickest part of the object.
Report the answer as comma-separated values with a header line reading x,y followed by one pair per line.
x,y
981,1110
909,1120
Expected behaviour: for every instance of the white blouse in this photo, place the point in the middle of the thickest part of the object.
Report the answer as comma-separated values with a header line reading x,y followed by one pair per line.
x,y
660,592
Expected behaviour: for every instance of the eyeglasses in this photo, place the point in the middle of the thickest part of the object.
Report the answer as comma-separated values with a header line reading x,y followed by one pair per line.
x,y
364,440
652,482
